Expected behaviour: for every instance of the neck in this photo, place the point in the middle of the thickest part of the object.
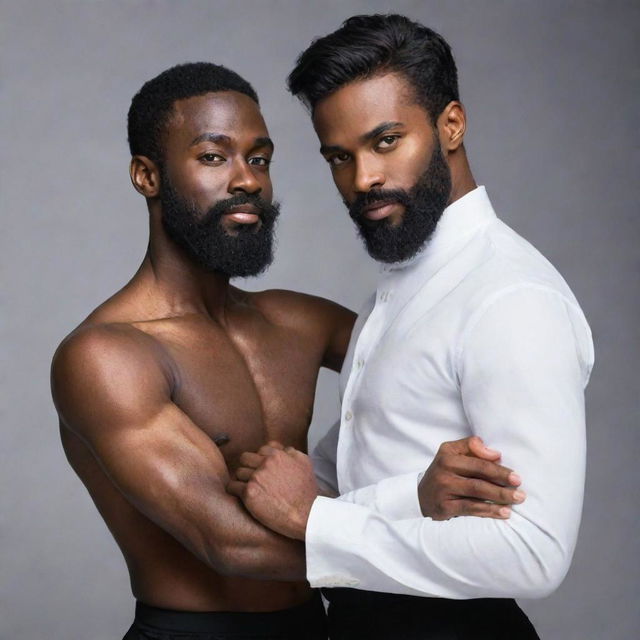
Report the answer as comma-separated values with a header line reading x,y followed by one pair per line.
x,y
462,180
182,285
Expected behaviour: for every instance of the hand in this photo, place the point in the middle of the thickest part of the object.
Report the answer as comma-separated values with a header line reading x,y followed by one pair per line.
x,y
278,487
463,476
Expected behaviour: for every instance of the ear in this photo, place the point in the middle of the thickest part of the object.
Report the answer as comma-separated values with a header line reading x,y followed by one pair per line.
x,y
452,124
145,176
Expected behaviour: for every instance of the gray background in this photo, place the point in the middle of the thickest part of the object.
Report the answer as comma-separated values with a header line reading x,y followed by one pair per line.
x,y
551,92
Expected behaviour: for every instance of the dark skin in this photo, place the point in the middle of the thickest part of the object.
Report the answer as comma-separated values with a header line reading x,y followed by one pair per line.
x,y
374,135
162,387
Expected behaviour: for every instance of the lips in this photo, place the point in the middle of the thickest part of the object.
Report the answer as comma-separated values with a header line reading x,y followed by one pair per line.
x,y
243,214
379,210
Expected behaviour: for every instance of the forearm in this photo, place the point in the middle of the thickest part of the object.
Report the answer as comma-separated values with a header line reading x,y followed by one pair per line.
x,y
348,545
246,548
522,391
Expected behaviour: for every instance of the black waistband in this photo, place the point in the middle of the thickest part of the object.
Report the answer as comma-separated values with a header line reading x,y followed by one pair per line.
x,y
229,621
361,598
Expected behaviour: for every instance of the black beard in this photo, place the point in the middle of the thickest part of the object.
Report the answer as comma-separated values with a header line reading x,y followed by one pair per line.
x,y
247,251
423,207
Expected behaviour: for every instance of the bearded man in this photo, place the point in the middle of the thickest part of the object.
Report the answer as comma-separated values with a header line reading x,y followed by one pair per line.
x,y
470,332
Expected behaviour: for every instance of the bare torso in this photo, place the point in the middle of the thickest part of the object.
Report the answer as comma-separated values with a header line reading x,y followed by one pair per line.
x,y
242,382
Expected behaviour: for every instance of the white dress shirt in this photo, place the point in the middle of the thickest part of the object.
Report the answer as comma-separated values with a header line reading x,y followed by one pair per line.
x,y
478,334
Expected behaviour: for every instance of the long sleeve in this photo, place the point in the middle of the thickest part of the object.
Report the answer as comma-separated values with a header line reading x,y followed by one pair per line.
x,y
324,456
395,497
523,361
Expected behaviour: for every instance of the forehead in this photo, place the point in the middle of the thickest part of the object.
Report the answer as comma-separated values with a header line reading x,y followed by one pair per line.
x,y
362,105
225,112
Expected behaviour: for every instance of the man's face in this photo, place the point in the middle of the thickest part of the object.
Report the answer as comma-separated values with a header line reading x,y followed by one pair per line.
x,y
215,187
387,163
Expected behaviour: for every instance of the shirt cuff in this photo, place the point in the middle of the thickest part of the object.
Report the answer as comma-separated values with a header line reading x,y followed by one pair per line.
x,y
396,498
326,530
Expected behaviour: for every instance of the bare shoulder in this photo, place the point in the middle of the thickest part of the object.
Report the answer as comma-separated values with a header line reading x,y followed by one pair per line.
x,y
295,309
326,324
107,368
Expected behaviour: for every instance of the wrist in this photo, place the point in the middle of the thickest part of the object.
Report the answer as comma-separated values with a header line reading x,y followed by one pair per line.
x,y
299,520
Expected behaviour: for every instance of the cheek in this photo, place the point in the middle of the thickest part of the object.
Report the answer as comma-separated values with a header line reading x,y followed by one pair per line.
x,y
205,184
406,170
343,179
267,188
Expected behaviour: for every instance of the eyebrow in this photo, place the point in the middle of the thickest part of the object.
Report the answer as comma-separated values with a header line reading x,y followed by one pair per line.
x,y
220,138
381,128
211,137
365,137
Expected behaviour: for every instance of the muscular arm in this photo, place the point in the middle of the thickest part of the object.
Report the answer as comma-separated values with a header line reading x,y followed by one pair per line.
x,y
111,388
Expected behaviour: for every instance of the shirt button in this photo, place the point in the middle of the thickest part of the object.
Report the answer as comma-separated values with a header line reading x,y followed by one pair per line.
x,y
348,416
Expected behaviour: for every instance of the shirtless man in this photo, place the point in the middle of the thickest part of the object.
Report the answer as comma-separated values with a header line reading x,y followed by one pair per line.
x,y
165,384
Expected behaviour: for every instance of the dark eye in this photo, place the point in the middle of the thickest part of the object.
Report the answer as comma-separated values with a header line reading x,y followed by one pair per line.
x,y
387,141
338,159
260,161
212,157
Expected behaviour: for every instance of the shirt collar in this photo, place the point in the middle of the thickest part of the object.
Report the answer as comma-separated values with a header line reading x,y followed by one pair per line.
x,y
459,222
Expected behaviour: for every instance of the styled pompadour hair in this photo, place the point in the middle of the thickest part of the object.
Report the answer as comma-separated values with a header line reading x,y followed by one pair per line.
x,y
370,45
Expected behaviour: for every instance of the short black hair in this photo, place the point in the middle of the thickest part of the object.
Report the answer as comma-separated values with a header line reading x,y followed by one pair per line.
x,y
370,45
152,106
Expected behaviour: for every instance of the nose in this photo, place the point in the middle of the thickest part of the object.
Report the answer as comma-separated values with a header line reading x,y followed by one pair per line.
x,y
369,175
243,178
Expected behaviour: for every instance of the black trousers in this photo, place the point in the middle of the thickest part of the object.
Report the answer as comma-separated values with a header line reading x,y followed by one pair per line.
x,y
355,614
304,622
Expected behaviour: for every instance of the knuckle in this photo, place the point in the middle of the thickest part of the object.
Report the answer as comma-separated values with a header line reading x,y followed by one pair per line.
x,y
251,491
445,446
476,485
446,460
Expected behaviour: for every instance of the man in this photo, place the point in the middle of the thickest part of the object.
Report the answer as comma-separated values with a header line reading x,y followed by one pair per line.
x,y
164,385
471,331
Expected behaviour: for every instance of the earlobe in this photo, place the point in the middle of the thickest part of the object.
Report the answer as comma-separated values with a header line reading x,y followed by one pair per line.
x,y
452,124
145,176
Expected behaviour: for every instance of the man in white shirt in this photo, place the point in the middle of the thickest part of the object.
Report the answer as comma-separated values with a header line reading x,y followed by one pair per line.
x,y
470,332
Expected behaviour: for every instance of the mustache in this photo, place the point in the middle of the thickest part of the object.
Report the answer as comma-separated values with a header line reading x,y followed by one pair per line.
x,y
267,211
377,196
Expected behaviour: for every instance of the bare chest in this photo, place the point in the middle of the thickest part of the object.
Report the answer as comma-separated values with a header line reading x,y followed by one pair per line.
x,y
246,389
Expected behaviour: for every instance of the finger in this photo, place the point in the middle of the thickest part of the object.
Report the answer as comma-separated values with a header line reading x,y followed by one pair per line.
x,y
244,474
482,469
481,490
236,488
249,459
268,450
470,446
479,509
478,448
295,453
274,444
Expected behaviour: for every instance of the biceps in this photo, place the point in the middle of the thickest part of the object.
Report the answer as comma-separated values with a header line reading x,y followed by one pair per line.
x,y
167,468
523,392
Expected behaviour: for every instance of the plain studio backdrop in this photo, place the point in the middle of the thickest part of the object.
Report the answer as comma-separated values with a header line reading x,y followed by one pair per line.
x,y
551,90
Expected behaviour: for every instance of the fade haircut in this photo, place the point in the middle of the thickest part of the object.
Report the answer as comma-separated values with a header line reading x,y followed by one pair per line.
x,y
368,46
152,107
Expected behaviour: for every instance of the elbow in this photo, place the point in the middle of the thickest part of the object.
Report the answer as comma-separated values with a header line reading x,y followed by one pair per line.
x,y
546,574
236,559
228,559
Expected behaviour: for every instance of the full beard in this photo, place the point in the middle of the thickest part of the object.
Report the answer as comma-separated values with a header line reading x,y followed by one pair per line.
x,y
423,206
245,251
